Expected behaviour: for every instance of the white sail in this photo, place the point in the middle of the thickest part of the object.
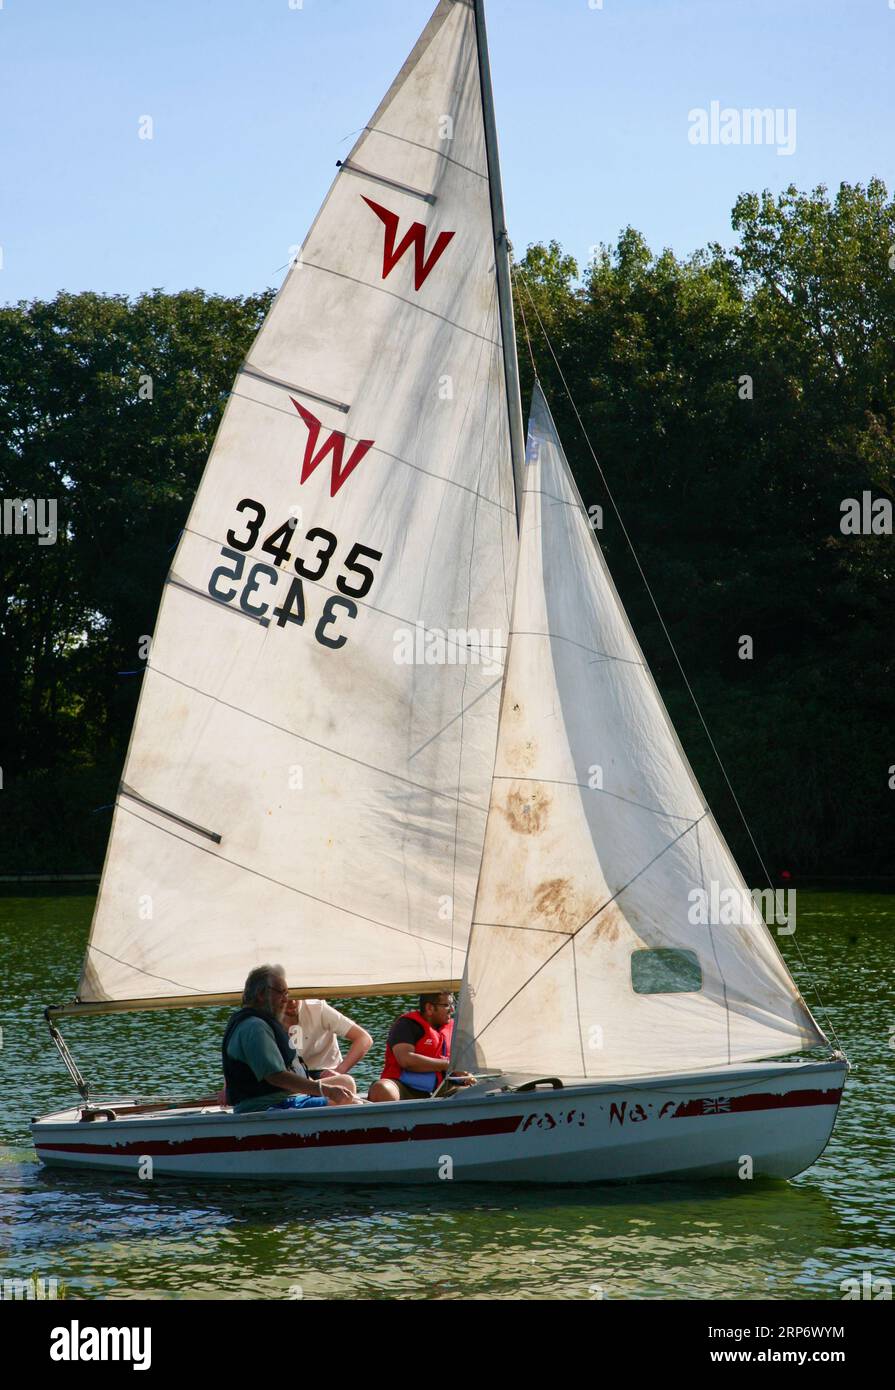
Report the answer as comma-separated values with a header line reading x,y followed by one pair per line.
x,y
599,843
300,786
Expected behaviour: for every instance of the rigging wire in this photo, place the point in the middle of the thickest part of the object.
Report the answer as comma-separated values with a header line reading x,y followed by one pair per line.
x,y
521,279
525,325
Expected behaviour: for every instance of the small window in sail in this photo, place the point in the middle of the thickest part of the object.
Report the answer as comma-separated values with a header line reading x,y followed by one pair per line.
x,y
665,972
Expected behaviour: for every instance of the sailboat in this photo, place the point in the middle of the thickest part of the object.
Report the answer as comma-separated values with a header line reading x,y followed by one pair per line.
x,y
396,733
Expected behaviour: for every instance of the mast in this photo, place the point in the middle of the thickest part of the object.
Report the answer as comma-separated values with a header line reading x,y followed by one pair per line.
x,y
502,259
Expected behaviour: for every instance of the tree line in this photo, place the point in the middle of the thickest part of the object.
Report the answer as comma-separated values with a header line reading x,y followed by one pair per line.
x,y
736,399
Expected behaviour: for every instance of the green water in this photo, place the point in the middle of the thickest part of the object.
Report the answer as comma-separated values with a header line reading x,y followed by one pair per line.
x,y
109,1238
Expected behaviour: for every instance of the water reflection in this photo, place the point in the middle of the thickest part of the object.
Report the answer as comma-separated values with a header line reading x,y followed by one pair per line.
x,y
107,1236
658,1240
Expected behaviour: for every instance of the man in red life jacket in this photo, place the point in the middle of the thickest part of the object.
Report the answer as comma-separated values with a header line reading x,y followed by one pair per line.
x,y
417,1053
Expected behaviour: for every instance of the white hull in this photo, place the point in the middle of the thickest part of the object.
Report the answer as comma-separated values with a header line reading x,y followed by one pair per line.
x,y
688,1126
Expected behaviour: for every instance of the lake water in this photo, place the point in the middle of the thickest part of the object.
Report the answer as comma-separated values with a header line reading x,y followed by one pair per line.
x,y
109,1238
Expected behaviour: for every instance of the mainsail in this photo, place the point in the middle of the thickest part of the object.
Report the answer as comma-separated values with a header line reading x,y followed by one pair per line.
x,y
589,954
309,772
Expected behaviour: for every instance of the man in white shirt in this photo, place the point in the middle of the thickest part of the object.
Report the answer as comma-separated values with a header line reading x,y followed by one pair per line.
x,y
314,1028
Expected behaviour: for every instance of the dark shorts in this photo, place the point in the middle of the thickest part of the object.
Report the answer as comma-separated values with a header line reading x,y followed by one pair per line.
x,y
408,1093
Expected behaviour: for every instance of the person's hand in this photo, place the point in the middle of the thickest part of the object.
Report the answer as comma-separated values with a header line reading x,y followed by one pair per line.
x,y
336,1094
463,1078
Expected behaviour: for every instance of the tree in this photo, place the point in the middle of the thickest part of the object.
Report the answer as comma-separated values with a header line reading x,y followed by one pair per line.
x,y
109,408
733,400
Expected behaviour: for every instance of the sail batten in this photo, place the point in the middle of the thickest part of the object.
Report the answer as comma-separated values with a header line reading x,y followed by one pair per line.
x,y
404,299
247,370
357,507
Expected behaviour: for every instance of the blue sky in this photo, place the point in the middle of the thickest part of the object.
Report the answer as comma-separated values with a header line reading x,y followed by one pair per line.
x,y
253,101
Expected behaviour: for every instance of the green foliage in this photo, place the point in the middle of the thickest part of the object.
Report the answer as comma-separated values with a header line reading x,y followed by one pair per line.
x,y
732,505
77,425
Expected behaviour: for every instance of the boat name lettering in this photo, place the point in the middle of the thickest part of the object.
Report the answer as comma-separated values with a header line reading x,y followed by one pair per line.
x,y
624,1110
545,1120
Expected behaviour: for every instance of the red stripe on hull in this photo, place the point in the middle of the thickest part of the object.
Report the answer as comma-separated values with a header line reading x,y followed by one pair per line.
x,y
463,1129
730,1105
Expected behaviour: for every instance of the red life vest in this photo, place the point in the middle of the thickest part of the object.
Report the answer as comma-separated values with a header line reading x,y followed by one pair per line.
x,y
435,1042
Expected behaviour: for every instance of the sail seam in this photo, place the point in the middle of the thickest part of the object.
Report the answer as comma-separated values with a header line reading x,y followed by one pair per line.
x,y
464,709
557,636
414,58
370,607
593,917
378,289
150,974
539,492
513,926
290,887
578,1006
715,950
377,130
586,787
396,458
336,753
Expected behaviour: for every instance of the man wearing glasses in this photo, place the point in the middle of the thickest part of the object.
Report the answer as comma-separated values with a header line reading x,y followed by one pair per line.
x,y
417,1053
259,1059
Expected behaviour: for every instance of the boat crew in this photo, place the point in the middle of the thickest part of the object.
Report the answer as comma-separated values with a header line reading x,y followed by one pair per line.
x,y
258,1057
417,1053
314,1029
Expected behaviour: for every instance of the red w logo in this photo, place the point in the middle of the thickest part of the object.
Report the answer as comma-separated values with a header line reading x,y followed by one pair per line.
x,y
416,238
335,445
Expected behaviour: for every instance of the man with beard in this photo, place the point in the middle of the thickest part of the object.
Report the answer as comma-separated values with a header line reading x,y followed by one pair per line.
x,y
258,1058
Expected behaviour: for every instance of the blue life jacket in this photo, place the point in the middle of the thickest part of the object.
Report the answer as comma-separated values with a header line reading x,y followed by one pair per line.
x,y
242,1083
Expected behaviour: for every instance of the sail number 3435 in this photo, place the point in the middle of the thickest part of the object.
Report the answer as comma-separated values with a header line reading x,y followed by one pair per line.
x,y
232,581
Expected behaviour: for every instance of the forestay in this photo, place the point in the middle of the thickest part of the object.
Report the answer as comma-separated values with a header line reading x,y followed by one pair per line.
x,y
599,841
300,786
